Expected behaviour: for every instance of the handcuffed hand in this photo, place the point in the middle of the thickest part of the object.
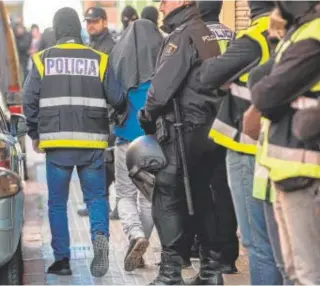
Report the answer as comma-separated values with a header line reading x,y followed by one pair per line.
x,y
146,123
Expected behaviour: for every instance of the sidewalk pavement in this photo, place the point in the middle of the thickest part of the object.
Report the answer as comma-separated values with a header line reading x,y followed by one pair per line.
x,y
38,255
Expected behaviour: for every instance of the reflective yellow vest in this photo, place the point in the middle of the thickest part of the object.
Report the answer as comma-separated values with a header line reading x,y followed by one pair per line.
x,y
294,158
72,106
262,186
225,130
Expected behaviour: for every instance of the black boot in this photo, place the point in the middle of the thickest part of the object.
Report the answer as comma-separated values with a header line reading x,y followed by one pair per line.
x,y
195,248
169,272
210,272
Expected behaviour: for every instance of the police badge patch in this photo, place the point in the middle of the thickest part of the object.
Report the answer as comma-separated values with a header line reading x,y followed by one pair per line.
x,y
170,49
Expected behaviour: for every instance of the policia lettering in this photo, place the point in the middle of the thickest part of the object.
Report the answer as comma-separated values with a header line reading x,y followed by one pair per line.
x,y
71,66
71,116
226,129
282,153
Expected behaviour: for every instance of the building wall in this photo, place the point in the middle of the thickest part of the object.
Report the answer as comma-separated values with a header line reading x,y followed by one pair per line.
x,y
235,14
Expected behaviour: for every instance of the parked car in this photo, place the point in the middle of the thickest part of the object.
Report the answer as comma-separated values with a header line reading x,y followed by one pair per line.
x,y
10,73
11,199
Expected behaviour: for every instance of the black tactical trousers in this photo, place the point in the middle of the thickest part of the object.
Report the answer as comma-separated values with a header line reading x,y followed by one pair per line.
x,y
228,242
169,203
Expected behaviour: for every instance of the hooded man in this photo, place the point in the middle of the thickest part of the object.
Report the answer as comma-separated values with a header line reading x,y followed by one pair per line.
x,y
251,48
66,109
132,62
128,15
150,13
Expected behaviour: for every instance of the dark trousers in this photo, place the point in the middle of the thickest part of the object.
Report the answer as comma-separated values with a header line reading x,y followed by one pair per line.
x,y
169,203
228,242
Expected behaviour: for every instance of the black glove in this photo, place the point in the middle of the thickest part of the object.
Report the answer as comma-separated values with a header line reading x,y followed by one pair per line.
x,y
146,123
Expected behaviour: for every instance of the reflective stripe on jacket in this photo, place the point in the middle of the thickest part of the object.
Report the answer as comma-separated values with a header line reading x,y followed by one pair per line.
x,y
226,129
72,106
282,153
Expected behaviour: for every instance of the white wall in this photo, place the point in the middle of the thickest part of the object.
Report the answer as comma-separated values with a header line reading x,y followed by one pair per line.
x,y
41,12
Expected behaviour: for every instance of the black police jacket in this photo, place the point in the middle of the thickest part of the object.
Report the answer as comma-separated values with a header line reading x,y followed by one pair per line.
x,y
177,69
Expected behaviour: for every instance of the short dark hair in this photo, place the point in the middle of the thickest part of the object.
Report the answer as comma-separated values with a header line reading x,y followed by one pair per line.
x,y
34,26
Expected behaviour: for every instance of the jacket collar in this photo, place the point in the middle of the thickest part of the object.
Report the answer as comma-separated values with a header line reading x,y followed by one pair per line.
x,y
179,16
71,40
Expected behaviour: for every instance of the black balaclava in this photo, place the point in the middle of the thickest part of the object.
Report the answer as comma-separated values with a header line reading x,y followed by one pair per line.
x,y
128,14
210,10
294,10
150,13
258,8
66,23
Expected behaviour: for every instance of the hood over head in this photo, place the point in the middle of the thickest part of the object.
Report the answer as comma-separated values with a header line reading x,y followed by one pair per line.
x,y
66,23
128,14
210,10
150,13
133,58
258,8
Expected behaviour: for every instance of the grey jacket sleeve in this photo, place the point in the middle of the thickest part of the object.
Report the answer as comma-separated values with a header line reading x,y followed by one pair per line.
x,y
31,97
241,55
173,66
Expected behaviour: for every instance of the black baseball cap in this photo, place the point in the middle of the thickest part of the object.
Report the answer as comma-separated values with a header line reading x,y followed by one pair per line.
x,y
95,13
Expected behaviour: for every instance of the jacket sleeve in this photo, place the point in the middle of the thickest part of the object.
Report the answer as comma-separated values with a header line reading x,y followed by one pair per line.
x,y
257,73
114,92
31,97
297,70
173,66
240,55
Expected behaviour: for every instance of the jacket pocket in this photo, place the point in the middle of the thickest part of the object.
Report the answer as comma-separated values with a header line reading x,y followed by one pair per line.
x,y
49,121
96,121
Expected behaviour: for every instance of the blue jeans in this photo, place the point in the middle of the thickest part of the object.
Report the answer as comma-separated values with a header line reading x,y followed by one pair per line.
x,y
93,184
272,228
251,220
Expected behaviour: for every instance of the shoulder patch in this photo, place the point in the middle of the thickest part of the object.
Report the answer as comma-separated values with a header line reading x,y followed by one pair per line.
x,y
170,49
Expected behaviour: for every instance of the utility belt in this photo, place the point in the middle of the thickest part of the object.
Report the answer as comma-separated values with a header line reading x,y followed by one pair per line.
x,y
165,128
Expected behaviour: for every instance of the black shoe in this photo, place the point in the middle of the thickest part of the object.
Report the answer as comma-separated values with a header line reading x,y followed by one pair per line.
x,y
60,267
210,272
186,263
169,272
137,249
83,212
229,268
100,263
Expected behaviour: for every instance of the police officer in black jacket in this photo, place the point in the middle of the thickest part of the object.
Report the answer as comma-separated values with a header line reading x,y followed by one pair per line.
x,y
65,105
177,76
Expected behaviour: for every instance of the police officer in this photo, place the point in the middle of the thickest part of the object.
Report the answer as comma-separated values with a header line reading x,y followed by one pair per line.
x,y
250,49
226,218
293,161
101,40
177,77
97,27
65,105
